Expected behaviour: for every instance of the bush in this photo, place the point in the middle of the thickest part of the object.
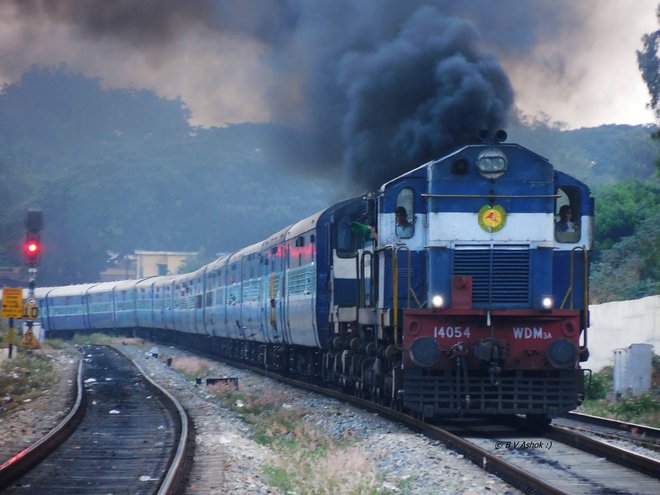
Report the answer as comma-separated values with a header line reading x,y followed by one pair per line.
x,y
601,384
26,376
631,407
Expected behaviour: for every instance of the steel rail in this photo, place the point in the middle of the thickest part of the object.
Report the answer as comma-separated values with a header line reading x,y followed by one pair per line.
x,y
12,469
634,428
174,474
20,464
618,455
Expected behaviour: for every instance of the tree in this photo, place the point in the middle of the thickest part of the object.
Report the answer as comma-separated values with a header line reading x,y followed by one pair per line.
x,y
649,64
626,257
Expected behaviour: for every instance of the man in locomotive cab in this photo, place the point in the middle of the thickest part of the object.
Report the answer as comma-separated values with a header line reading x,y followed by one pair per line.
x,y
565,224
565,229
404,228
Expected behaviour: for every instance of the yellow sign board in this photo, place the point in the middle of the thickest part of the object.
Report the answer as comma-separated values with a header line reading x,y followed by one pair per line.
x,y
12,303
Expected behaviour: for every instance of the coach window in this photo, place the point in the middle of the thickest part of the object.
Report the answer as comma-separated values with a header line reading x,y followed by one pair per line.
x,y
404,215
567,215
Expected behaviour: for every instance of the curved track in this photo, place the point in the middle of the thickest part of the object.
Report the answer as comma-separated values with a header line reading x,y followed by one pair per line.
x,y
546,461
131,440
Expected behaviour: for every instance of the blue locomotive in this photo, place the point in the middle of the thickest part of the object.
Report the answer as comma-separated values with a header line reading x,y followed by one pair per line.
x,y
458,287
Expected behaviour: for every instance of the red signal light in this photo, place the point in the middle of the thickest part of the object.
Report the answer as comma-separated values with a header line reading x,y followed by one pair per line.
x,y
32,247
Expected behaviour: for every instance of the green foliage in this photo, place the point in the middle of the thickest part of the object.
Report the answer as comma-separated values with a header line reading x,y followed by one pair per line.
x,y
599,156
631,407
118,170
627,241
601,384
642,409
649,65
621,209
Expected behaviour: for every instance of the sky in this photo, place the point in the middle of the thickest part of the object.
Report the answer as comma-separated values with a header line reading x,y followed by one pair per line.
x,y
377,83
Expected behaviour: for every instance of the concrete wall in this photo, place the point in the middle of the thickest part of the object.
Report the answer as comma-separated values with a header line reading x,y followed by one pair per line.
x,y
617,325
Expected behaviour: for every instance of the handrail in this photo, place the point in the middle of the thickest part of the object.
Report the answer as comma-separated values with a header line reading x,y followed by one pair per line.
x,y
585,295
395,284
498,196
395,293
395,287
570,291
362,280
585,311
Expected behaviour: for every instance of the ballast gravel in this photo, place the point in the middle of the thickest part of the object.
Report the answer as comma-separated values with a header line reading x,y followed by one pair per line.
x,y
229,460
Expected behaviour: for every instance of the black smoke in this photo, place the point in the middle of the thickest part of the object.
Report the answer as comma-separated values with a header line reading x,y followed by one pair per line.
x,y
418,95
382,86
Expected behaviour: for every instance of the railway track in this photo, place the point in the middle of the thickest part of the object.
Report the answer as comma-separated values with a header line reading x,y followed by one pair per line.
x,y
124,435
571,462
554,461
612,430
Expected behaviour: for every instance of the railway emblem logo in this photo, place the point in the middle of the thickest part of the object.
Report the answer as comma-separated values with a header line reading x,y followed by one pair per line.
x,y
492,218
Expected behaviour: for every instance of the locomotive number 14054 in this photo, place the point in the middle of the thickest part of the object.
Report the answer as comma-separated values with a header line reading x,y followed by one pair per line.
x,y
451,332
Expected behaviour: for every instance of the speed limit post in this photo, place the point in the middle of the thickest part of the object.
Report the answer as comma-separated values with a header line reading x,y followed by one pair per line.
x,y
30,309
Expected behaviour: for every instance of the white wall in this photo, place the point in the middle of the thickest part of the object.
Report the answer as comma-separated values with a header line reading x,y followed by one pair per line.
x,y
618,324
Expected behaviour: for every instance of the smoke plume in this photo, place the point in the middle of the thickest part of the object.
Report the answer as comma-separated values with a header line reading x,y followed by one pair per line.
x,y
381,86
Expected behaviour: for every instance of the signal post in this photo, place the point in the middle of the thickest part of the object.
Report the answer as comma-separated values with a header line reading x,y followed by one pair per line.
x,y
12,299
32,250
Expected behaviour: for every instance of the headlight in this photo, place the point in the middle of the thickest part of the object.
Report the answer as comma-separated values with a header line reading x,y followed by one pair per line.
x,y
547,302
438,301
491,163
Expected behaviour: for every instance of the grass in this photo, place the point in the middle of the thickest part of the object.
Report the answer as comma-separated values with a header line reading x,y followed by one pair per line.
x,y
307,461
191,367
102,339
340,471
642,409
26,376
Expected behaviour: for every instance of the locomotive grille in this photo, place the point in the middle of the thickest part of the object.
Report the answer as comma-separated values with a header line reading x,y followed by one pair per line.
x,y
500,276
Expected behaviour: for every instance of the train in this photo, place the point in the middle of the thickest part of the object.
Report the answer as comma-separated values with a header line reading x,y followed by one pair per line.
x,y
458,288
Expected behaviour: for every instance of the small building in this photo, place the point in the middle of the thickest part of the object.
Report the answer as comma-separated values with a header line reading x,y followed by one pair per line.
x,y
633,369
122,268
153,263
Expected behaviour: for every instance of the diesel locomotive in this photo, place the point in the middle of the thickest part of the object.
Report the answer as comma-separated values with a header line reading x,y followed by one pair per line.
x,y
456,288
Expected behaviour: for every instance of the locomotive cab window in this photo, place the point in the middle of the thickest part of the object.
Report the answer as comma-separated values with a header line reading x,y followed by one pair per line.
x,y
567,215
345,240
404,215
